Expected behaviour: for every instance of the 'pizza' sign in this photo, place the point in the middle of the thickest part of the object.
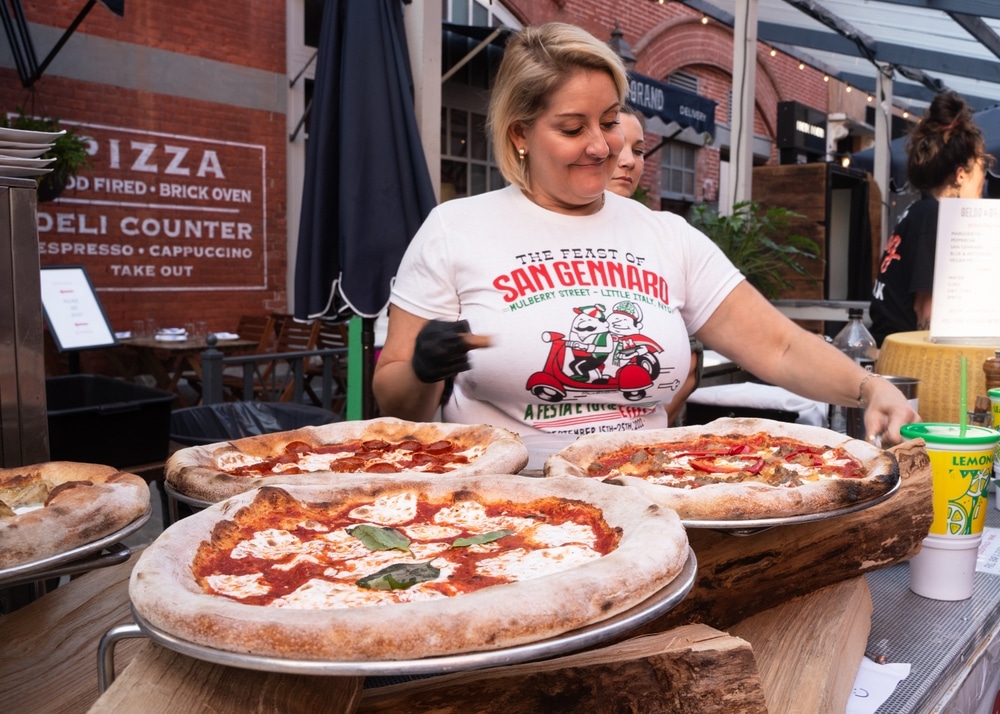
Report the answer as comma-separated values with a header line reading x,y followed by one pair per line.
x,y
161,212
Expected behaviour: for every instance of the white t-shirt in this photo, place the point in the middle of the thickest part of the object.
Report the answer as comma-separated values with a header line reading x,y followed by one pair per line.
x,y
589,315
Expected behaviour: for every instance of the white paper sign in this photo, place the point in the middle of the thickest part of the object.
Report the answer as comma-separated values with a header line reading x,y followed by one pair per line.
x,y
75,316
965,272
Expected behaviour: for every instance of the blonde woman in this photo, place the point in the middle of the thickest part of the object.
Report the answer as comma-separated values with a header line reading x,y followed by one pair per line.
x,y
587,298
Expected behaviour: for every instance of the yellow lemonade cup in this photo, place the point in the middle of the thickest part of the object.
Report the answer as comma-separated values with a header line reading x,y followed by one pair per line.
x,y
961,467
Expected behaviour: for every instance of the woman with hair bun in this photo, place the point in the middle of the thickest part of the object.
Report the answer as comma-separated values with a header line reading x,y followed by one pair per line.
x,y
946,158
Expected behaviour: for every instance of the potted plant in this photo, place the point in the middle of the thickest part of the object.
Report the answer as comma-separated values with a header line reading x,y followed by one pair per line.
x,y
759,243
69,151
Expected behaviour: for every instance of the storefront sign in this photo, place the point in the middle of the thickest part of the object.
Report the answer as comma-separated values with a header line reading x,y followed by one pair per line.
x,y
161,212
802,128
965,272
671,104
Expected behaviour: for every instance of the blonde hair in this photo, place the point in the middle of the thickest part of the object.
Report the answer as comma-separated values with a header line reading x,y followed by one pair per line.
x,y
536,62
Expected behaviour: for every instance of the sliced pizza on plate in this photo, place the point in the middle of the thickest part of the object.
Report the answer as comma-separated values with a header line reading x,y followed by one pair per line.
x,y
736,469
213,472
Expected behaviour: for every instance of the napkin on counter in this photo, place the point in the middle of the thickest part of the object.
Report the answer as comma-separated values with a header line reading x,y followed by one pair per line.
x,y
227,335
874,684
126,335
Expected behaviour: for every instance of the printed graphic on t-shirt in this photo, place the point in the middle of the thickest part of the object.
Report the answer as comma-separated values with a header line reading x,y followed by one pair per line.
x,y
600,346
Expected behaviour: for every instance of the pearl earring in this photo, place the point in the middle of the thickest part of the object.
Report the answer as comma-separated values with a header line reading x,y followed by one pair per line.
x,y
521,154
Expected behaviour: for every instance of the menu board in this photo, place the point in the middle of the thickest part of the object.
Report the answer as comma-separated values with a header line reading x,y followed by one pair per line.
x,y
74,315
966,272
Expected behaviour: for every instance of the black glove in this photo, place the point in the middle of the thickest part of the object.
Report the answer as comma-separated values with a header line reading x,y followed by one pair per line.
x,y
441,350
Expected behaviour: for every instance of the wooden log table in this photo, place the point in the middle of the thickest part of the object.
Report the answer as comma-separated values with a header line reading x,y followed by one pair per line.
x,y
777,607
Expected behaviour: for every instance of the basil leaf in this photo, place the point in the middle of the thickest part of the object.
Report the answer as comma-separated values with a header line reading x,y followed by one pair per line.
x,y
380,538
400,576
482,538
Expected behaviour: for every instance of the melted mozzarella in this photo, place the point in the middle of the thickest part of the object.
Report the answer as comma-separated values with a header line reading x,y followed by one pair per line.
x,y
545,534
270,544
525,565
399,508
238,586
430,531
471,516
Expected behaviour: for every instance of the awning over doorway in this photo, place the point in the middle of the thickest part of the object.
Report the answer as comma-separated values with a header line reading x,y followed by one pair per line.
x,y
672,105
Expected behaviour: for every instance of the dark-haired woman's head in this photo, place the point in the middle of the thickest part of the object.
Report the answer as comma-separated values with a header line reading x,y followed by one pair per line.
x,y
946,152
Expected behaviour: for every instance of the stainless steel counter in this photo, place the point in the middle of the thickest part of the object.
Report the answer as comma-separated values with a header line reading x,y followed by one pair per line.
x,y
943,641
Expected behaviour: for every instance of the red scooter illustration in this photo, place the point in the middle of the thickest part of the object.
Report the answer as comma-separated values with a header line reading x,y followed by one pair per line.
x,y
633,379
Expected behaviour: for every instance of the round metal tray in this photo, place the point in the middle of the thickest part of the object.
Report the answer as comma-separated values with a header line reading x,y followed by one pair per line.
x,y
39,567
749,527
649,609
184,498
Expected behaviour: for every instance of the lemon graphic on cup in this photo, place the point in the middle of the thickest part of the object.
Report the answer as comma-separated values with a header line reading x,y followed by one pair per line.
x,y
957,522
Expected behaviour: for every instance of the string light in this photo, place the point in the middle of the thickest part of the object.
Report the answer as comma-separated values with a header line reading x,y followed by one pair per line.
x,y
848,88
906,115
774,52
704,19
826,78
870,99
802,65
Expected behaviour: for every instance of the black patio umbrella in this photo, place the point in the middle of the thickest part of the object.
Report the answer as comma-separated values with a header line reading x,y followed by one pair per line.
x,y
367,188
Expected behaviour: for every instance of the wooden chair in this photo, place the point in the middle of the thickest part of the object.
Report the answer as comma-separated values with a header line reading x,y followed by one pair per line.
x,y
332,335
275,378
263,329
272,377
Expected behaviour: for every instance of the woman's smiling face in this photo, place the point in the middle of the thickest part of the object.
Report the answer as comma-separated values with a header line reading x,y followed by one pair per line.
x,y
572,147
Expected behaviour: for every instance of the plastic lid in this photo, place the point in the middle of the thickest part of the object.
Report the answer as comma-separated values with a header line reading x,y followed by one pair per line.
x,y
950,434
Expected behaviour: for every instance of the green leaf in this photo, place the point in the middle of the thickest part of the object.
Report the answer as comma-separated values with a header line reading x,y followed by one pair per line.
x,y
400,576
380,538
759,243
482,538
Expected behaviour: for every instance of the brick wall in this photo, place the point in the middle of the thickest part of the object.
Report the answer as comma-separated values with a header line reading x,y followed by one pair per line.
x,y
182,215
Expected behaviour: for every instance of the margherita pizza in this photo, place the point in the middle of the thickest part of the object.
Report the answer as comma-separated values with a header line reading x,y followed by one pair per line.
x,y
52,508
399,568
736,469
216,471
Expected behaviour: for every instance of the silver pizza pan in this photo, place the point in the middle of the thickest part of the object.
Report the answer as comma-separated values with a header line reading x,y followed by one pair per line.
x,y
184,498
657,604
49,566
751,526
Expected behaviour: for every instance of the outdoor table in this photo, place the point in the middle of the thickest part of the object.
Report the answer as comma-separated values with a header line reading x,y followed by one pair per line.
x,y
168,360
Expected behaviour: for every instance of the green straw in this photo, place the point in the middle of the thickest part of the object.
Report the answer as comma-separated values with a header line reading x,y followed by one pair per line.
x,y
963,413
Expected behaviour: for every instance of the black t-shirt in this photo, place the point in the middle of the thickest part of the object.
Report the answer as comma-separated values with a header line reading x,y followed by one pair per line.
x,y
907,267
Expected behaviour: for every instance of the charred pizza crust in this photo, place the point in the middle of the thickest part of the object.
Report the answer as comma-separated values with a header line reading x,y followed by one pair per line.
x,y
746,500
651,552
82,503
195,471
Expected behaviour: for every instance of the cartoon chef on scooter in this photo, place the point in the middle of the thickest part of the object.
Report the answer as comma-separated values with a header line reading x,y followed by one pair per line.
x,y
601,353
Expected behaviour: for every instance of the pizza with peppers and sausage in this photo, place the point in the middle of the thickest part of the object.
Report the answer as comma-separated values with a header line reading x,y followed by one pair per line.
x,y
404,567
213,472
736,469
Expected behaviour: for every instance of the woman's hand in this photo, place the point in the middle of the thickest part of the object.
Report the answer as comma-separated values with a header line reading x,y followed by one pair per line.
x,y
887,410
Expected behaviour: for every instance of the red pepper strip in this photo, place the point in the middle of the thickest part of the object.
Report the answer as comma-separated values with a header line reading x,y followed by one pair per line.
x,y
713,453
739,449
726,467
814,455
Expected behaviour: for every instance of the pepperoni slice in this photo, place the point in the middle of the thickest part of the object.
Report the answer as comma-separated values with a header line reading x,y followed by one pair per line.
x,y
439,447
